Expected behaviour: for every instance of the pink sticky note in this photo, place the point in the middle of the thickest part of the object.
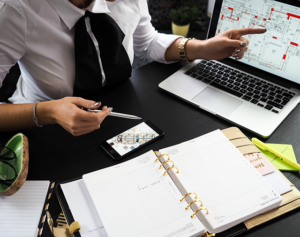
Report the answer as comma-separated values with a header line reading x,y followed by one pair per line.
x,y
260,163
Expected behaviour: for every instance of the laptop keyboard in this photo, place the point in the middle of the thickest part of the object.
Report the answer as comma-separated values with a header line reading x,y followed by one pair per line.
x,y
256,91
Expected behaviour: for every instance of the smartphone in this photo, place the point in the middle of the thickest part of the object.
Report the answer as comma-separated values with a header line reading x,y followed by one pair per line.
x,y
129,141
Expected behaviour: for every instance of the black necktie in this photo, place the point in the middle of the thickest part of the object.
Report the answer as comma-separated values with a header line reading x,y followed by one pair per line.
x,y
115,60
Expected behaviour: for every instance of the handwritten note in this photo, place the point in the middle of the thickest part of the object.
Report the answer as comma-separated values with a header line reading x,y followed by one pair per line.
x,y
260,163
141,188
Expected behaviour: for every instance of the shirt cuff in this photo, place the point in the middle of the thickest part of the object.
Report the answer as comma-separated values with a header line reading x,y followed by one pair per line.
x,y
160,45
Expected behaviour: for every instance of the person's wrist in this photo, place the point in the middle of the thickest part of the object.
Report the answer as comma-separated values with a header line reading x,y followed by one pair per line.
x,y
194,49
45,113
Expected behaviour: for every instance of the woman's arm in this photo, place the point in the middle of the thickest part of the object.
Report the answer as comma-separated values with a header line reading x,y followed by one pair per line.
x,y
148,44
218,47
67,112
151,45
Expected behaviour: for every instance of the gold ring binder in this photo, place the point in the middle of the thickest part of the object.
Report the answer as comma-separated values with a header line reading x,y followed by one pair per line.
x,y
202,208
188,195
194,202
209,235
171,168
165,163
161,156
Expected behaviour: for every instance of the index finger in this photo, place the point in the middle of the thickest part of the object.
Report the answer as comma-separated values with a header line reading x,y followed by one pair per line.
x,y
248,31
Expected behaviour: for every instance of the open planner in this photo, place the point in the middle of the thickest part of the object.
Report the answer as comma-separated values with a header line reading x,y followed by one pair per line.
x,y
198,187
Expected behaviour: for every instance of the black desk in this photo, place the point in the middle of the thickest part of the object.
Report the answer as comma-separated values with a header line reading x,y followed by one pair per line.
x,y
58,156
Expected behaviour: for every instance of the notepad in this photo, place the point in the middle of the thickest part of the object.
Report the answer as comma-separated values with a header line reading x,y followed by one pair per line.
x,y
259,162
20,213
284,149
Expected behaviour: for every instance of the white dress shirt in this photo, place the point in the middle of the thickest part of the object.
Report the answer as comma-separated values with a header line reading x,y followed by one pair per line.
x,y
39,35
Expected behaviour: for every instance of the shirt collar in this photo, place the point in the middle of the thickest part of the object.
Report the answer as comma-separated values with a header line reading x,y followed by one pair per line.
x,y
70,14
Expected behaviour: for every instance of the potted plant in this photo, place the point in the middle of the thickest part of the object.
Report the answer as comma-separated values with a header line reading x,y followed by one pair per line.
x,y
181,19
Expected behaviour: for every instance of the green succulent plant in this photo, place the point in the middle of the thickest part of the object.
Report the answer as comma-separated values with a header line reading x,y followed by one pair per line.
x,y
183,15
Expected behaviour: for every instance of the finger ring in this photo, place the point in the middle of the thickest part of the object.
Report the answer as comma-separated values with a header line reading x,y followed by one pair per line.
x,y
237,51
236,58
243,44
235,55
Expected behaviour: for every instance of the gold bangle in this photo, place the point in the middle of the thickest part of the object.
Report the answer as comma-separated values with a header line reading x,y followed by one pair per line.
x,y
182,51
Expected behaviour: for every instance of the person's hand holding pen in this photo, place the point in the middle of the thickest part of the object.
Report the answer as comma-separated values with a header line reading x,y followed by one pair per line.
x,y
68,112
76,115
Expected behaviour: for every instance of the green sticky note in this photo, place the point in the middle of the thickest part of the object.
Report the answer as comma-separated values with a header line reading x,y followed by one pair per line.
x,y
284,149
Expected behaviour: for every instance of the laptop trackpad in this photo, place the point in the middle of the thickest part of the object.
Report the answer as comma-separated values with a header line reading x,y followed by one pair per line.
x,y
217,101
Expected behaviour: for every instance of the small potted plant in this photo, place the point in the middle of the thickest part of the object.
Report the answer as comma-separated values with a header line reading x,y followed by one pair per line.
x,y
181,19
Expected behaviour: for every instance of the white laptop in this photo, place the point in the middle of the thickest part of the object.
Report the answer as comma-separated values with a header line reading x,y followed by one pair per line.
x,y
259,91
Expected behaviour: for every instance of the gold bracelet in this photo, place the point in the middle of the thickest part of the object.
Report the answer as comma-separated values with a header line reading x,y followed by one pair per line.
x,y
182,51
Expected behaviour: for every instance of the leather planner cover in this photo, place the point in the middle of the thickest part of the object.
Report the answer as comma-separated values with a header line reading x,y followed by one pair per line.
x,y
291,200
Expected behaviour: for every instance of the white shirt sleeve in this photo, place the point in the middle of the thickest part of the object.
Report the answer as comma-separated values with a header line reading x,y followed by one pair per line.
x,y
12,36
147,42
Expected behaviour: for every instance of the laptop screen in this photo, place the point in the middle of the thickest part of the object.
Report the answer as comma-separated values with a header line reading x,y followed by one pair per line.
x,y
278,50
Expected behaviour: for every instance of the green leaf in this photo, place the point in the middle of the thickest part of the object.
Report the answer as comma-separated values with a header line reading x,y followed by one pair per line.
x,y
183,15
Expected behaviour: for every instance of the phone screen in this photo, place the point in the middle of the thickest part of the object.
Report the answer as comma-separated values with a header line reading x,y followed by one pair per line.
x,y
132,138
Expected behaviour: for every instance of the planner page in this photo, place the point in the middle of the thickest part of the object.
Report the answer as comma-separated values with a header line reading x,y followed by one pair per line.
x,y
83,209
228,185
134,198
20,213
